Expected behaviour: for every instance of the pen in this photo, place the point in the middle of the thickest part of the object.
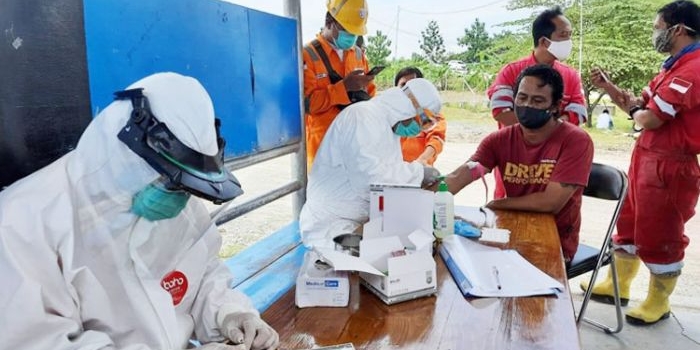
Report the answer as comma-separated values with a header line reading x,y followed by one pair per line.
x,y
498,279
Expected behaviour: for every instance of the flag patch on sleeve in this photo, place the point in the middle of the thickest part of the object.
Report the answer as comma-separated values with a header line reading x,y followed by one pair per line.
x,y
680,85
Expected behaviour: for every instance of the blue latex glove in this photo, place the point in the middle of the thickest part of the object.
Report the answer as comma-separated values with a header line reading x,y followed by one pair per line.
x,y
465,229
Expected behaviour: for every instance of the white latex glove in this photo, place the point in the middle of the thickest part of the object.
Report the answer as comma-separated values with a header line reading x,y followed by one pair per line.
x,y
248,329
430,176
221,346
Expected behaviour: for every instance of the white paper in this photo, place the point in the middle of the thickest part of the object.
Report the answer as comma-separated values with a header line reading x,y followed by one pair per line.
x,y
516,276
407,209
477,216
344,262
377,251
372,229
421,240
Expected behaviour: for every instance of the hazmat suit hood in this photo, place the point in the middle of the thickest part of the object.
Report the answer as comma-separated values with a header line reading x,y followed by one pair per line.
x,y
360,149
89,273
397,101
109,168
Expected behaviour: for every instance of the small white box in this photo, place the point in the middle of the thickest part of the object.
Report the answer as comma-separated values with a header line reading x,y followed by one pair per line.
x,y
317,285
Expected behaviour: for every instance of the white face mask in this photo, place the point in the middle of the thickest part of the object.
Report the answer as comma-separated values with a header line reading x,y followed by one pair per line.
x,y
560,49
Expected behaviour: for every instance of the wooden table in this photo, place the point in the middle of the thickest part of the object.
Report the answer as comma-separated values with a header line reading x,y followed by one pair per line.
x,y
448,321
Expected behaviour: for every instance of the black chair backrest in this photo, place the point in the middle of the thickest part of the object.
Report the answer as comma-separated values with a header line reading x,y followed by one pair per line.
x,y
605,182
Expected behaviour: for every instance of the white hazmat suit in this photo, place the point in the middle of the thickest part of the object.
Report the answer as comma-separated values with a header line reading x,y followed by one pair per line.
x,y
81,271
360,148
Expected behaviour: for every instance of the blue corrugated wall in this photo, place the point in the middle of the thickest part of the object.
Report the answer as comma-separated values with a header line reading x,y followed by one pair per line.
x,y
247,61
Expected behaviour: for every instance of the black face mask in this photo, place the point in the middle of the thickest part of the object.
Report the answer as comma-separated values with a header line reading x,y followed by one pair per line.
x,y
532,118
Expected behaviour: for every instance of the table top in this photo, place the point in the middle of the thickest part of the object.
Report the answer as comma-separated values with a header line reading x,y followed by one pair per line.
x,y
448,320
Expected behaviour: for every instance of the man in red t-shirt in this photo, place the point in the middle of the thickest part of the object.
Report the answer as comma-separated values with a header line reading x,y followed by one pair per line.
x,y
551,34
664,172
544,162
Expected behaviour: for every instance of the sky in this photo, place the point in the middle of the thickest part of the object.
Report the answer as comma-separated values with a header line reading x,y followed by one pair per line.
x,y
413,17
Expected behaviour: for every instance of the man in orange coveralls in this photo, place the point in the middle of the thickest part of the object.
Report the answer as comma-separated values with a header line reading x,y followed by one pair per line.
x,y
428,144
664,171
334,70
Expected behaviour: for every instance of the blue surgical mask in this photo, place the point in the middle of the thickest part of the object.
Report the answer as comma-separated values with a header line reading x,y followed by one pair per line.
x,y
411,130
345,40
155,202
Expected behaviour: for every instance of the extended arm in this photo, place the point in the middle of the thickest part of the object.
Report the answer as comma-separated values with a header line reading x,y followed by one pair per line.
x,y
551,200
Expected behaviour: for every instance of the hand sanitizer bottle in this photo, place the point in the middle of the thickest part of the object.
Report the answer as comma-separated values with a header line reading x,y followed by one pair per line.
x,y
443,211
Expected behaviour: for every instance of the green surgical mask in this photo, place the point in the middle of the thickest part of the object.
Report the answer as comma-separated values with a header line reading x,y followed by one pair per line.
x,y
411,130
345,40
155,202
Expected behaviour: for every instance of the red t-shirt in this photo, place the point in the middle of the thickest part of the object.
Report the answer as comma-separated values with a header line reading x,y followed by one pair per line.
x,y
565,157
573,104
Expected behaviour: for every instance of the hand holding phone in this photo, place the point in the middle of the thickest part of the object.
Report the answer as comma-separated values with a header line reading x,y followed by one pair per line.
x,y
375,70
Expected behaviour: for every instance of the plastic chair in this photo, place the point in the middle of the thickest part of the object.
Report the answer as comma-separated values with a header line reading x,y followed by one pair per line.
x,y
609,183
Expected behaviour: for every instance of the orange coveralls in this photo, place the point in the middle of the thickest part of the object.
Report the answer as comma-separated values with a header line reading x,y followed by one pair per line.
x,y
323,100
413,147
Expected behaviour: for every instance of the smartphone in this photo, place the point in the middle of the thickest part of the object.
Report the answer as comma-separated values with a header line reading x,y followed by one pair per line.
x,y
375,70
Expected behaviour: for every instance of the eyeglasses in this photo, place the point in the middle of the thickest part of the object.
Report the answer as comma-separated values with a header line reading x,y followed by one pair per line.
x,y
425,118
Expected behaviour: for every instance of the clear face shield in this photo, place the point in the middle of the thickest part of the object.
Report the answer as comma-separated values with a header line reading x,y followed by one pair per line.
x,y
424,117
182,168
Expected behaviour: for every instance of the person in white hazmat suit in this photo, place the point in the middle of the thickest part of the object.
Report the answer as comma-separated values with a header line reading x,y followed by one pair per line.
x,y
105,248
361,147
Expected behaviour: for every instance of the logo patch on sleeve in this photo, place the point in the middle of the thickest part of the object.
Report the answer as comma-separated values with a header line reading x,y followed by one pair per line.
x,y
680,85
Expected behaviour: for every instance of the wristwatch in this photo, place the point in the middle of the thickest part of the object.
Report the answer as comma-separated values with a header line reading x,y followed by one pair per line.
x,y
634,110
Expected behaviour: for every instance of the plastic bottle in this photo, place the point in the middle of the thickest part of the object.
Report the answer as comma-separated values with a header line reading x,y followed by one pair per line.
x,y
443,211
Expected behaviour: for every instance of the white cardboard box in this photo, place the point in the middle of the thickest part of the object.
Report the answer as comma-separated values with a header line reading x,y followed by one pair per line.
x,y
391,278
398,210
318,286
401,220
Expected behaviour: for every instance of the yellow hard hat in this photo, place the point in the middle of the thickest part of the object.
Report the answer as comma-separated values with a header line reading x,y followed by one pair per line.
x,y
351,14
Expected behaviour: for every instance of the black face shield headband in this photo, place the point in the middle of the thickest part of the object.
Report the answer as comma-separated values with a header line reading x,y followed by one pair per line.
x,y
185,169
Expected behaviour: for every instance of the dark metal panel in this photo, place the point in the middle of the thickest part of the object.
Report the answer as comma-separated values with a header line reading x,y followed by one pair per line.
x,y
274,53
44,101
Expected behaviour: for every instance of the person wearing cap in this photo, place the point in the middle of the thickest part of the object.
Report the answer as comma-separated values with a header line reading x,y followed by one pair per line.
x,y
334,70
362,147
551,35
106,248
426,146
544,162
664,172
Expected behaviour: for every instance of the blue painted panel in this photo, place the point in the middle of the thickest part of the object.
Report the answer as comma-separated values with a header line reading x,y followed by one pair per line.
x,y
276,91
207,39
273,282
261,254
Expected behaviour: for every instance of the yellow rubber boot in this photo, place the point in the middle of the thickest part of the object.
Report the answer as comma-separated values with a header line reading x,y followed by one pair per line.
x,y
655,307
627,266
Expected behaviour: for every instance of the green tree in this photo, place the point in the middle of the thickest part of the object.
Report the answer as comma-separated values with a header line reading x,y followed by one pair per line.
x,y
476,40
432,44
616,38
505,47
378,49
